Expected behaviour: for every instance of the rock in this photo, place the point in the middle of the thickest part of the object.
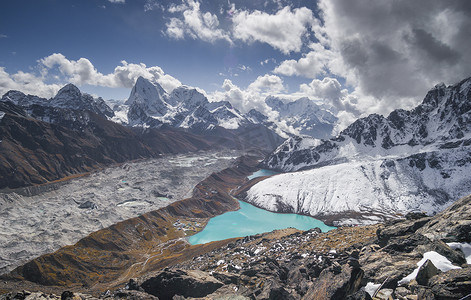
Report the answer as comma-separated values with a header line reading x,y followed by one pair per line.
x,y
88,205
456,257
385,294
426,271
453,284
336,286
232,297
226,278
168,283
399,229
402,292
272,290
67,295
360,295
453,224
133,295
415,215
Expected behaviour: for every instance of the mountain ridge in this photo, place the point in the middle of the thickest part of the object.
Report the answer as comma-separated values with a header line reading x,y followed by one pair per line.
x,y
378,167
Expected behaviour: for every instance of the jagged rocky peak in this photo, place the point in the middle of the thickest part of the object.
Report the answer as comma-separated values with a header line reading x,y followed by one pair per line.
x,y
444,114
256,117
149,97
70,97
68,93
13,96
306,116
187,97
21,99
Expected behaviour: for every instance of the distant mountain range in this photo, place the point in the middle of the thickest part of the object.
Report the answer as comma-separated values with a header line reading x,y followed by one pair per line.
x,y
41,151
378,167
43,140
150,106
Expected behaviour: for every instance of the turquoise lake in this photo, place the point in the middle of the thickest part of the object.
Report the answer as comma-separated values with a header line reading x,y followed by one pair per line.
x,y
250,220
262,172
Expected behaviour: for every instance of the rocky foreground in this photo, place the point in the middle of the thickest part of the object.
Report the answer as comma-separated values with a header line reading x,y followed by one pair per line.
x,y
346,263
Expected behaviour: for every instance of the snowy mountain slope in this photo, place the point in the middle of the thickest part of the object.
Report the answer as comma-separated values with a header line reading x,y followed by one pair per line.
x,y
184,107
187,108
443,116
304,115
417,160
370,191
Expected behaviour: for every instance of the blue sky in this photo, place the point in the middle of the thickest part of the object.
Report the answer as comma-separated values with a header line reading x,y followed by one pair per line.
x,y
357,56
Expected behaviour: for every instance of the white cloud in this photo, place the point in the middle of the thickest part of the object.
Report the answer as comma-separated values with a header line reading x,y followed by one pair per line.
x,y
152,5
284,30
267,83
268,60
81,72
330,91
116,1
27,83
392,52
194,23
251,97
175,29
311,65
3,36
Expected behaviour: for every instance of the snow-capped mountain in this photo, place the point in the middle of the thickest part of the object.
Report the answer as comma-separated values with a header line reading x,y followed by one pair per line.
x,y
378,166
184,107
304,115
69,97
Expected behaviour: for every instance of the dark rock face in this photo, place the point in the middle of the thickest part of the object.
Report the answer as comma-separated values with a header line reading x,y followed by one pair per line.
x,y
454,284
336,282
426,271
452,225
168,283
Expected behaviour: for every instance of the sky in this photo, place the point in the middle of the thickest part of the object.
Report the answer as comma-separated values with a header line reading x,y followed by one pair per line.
x,y
358,57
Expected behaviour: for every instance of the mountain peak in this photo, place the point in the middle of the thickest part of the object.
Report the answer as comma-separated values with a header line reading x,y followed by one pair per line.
x,y
187,96
68,91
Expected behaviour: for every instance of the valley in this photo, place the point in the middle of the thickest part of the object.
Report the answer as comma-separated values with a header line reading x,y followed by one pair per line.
x,y
78,207
128,210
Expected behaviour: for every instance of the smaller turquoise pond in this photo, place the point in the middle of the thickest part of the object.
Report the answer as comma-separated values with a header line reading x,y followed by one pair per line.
x,y
250,220
262,172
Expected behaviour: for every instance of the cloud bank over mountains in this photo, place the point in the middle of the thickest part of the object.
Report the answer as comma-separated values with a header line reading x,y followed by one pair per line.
x,y
358,56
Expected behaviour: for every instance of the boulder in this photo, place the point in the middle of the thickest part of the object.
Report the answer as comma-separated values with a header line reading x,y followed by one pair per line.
x,y
426,271
454,284
332,284
453,224
168,283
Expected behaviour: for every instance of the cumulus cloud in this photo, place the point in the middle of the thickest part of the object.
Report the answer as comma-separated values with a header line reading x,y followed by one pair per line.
x,y
284,30
194,23
392,51
251,97
311,65
117,1
27,83
268,84
81,72
330,91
